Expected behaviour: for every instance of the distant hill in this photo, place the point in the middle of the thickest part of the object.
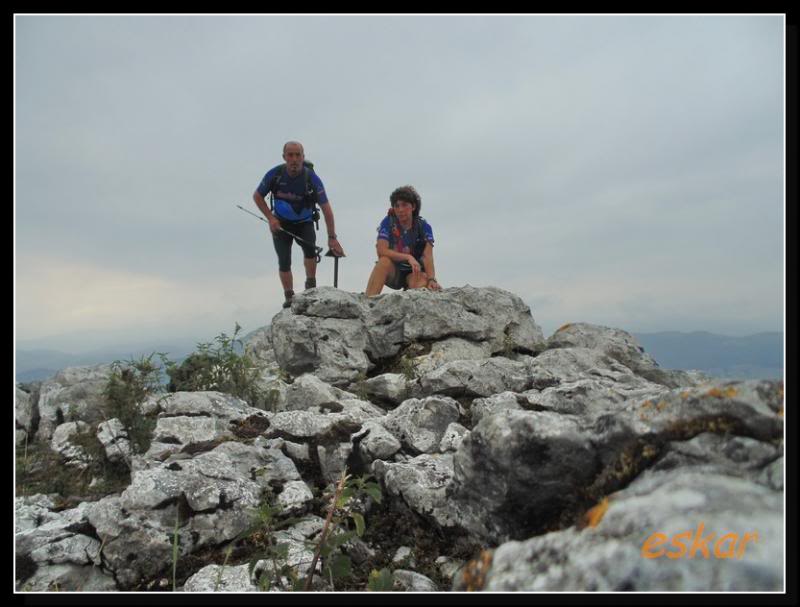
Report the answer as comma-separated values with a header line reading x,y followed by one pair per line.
x,y
758,356
38,365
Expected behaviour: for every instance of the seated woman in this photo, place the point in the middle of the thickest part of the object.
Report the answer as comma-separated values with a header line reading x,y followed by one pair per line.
x,y
405,247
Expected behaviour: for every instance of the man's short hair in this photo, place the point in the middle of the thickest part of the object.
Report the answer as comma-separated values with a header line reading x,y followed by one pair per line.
x,y
293,143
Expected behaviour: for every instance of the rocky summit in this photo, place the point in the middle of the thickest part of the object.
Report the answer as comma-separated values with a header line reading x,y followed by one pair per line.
x,y
505,461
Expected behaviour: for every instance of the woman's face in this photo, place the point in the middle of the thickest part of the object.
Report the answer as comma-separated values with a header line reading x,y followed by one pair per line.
x,y
404,210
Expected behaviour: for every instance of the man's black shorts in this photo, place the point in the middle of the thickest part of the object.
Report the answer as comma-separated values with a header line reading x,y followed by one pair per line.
x,y
283,242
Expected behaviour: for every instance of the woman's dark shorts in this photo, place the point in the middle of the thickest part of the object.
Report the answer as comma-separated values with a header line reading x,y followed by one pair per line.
x,y
283,242
401,271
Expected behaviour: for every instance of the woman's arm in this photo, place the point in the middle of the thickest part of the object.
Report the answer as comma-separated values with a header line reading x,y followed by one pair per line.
x,y
384,251
427,259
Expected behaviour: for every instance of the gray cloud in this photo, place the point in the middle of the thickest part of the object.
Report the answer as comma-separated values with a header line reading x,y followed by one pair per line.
x,y
583,162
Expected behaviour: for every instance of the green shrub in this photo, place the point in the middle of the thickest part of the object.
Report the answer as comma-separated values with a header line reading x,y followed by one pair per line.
x,y
219,367
129,385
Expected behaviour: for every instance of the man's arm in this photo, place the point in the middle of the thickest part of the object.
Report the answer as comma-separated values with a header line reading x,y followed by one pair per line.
x,y
274,222
333,240
261,203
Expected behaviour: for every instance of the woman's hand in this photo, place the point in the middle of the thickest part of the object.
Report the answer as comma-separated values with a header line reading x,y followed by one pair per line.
x,y
415,267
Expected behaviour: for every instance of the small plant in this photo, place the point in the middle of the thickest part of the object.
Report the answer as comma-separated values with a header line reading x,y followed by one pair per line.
x,y
109,477
336,532
175,553
222,568
271,400
266,520
407,361
73,412
360,386
407,366
509,347
41,470
130,384
22,465
380,581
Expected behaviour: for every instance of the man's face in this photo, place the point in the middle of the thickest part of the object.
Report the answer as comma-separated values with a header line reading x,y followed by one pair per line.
x,y
293,156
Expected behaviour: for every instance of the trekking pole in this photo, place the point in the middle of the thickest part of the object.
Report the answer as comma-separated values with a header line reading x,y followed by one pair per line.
x,y
295,236
336,257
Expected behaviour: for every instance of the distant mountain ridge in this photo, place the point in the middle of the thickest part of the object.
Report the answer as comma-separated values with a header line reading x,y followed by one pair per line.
x,y
37,365
758,356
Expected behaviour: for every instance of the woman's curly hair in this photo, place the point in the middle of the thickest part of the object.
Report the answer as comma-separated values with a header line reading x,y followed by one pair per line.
x,y
409,194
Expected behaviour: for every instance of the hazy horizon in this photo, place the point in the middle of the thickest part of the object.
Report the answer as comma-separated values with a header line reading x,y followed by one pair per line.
x,y
621,170
181,341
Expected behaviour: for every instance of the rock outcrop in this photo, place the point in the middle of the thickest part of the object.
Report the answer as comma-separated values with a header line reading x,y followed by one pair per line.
x,y
561,458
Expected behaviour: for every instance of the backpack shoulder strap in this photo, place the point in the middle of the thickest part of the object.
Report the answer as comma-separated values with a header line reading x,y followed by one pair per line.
x,y
392,229
273,184
419,227
310,198
419,235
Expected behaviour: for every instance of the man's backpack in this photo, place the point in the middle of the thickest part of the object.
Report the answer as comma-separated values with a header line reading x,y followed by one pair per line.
x,y
310,198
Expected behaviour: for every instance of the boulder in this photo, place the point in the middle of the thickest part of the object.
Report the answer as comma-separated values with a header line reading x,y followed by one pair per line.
x,y
73,394
422,484
702,521
621,346
389,388
25,415
411,581
57,550
420,425
521,471
212,496
477,377
63,443
341,336
191,422
114,438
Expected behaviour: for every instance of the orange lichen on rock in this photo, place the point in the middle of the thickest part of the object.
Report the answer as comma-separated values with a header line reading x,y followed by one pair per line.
x,y
728,392
474,573
564,327
595,514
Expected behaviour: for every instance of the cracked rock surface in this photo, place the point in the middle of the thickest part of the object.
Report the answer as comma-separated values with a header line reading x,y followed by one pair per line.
x,y
506,461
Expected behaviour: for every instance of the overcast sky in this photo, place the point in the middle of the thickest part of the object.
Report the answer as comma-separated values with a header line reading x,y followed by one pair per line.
x,y
620,170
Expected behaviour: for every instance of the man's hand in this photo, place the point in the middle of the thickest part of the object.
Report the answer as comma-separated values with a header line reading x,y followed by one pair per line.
x,y
274,224
415,267
333,245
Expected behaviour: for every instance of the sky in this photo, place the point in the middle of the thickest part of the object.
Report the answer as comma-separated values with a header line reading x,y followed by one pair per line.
x,y
621,170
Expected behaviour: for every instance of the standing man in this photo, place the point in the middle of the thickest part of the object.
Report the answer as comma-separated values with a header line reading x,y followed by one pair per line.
x,y
296,191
